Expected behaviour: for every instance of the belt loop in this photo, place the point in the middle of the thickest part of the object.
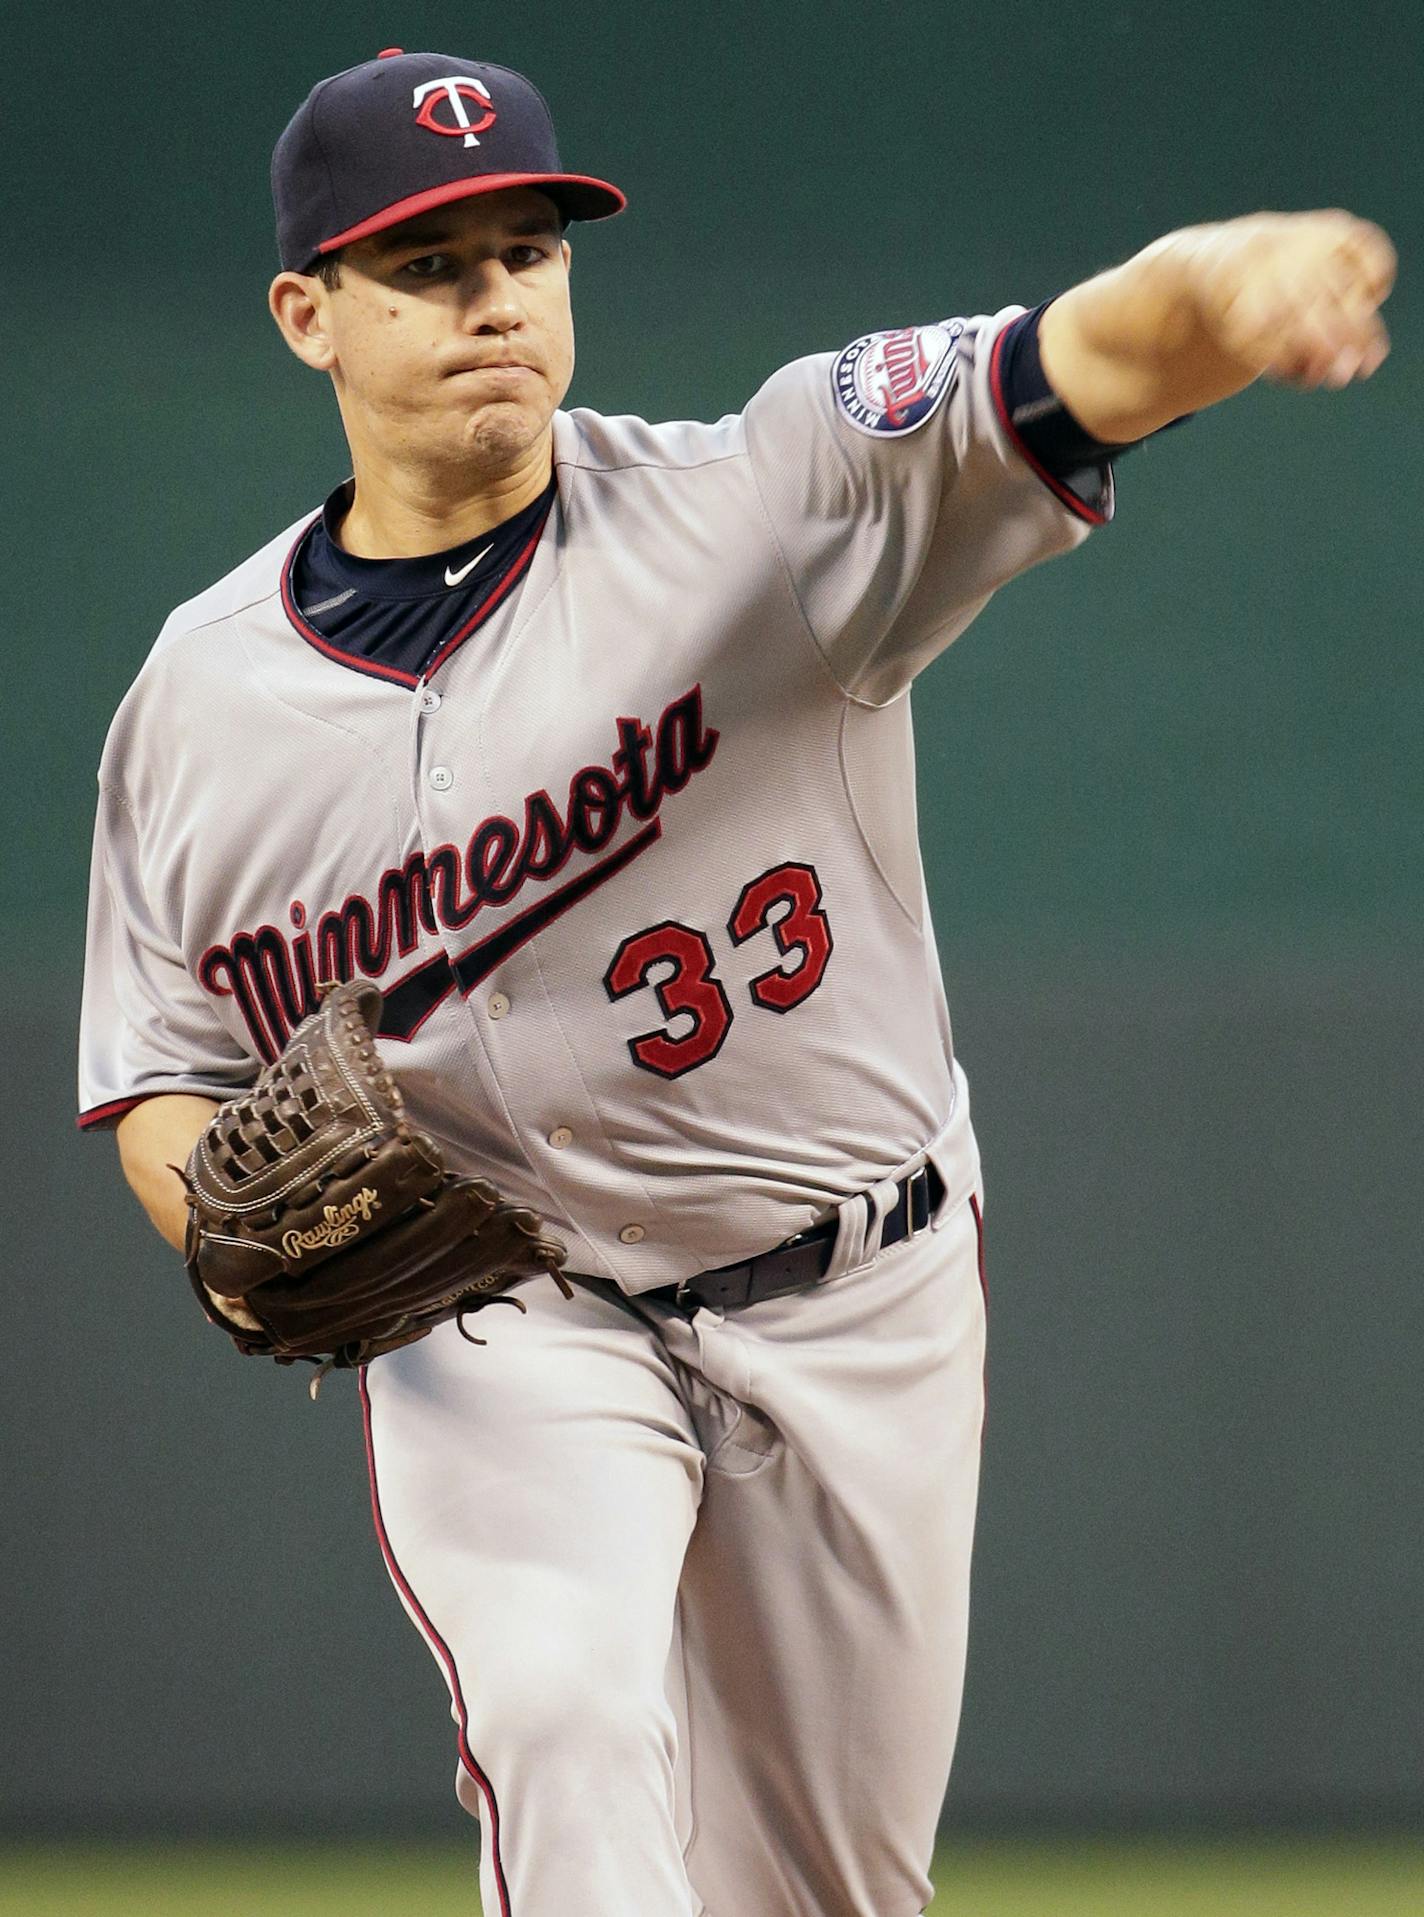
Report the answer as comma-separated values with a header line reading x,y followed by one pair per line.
x,y
853,1222
917,1182
881,1199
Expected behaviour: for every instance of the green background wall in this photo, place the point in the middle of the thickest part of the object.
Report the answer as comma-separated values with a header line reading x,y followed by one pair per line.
x,y
1172,816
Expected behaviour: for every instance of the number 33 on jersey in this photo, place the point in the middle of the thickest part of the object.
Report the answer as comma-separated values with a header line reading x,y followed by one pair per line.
x,y
793,894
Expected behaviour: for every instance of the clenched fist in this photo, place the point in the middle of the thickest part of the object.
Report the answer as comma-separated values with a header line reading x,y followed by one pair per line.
x,y
1295,296
1202,312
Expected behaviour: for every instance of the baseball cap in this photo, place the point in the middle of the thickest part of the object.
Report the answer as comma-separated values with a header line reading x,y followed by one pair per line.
x,y
391,138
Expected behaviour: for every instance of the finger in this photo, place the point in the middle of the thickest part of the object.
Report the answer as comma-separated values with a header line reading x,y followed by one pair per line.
x,y
1302,309
1306,373
1373,259
1314,340
1376,353
1344,367
1310,343
1324,322
1362,356
1348,279
1353,257
1308,364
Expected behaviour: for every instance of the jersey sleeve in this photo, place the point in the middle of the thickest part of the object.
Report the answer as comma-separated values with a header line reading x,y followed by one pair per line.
x,y
902,494
145,1024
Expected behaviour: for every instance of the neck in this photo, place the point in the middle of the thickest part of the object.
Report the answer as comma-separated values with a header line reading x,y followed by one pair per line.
x,y
402,514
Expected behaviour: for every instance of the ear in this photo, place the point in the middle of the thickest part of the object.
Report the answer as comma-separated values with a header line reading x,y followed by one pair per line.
x,y
301,306
568,253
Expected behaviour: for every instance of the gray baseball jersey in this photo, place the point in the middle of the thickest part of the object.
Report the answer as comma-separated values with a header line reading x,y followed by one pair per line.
x,y
635,864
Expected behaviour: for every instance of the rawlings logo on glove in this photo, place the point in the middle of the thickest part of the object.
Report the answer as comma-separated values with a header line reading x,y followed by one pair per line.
x,y
340,1223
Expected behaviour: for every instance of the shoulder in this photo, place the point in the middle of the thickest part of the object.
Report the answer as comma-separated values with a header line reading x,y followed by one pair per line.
x,y
256,579
619,442
191,659
612,443
609,442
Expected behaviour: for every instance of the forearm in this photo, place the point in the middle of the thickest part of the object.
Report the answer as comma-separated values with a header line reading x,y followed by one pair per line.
x,y
1199,314
154,1137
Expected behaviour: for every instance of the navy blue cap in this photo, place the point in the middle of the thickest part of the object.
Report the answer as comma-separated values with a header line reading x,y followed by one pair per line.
x,y
399,134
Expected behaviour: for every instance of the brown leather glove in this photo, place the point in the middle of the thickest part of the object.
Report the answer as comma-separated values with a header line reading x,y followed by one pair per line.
x,y
331,1229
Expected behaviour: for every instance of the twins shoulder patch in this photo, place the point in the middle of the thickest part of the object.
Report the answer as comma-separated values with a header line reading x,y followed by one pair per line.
x,y
889,383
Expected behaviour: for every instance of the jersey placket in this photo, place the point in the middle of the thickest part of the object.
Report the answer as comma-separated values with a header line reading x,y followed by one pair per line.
x,y
511,1021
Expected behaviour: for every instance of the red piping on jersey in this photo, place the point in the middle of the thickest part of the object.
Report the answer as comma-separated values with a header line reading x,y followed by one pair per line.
x,y
394,673
979,1237
977,1210
407,209
487,606
1056,486
438,1646
314,638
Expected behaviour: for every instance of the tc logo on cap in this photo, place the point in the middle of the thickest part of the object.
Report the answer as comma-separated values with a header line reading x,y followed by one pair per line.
x,y
454,92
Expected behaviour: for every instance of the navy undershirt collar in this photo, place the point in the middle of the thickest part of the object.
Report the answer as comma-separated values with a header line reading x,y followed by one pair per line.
x,y
401,612
414,578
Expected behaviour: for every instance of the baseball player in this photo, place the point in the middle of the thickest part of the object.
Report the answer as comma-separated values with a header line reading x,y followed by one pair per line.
x,y
588,742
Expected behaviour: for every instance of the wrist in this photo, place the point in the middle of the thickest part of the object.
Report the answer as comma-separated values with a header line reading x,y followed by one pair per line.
x,y
1168,279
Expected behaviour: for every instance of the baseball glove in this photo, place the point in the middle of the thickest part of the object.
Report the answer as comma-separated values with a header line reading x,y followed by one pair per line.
x,y
322,1226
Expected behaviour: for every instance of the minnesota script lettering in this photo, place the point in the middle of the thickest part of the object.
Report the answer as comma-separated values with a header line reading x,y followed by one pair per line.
x,y
273,975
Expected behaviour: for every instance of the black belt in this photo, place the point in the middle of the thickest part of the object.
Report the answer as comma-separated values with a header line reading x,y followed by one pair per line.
x,y
802,1260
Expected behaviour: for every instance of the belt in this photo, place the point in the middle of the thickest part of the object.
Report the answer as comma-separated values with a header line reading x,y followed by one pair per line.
x,y
802,1261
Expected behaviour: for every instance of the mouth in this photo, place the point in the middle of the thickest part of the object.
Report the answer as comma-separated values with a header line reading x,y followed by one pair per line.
x,y
499,367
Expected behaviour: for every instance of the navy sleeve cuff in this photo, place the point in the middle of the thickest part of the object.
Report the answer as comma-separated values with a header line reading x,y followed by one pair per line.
x,y
1037,416
1070,462
1035,412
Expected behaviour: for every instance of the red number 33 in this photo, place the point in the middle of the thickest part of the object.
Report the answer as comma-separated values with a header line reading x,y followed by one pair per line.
x,y
788,900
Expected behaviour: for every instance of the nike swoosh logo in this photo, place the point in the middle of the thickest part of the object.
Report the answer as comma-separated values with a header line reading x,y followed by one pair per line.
x,y
454,578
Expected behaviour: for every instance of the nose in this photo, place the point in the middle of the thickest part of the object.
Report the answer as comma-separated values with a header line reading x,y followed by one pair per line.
x,y
492,302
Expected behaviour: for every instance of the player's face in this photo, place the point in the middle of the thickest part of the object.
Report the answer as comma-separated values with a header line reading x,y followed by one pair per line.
x,y
451,336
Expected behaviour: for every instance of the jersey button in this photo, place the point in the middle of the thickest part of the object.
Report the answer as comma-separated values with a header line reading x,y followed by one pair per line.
x,y
560,1136
498,1005
429,701
441,777
632,1234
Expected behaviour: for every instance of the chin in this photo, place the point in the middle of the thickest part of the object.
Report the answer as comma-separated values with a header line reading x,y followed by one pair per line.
x,y
501,434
